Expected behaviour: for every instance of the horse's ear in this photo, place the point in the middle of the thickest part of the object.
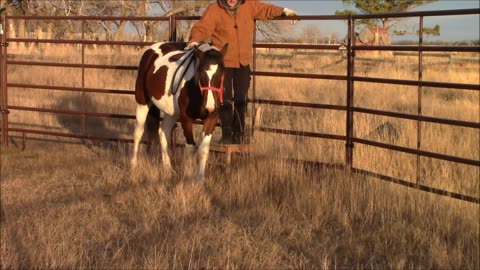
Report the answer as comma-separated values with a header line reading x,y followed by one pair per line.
x,y
224,49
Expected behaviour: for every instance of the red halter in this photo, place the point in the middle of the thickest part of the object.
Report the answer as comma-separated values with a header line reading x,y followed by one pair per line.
x,y
219,90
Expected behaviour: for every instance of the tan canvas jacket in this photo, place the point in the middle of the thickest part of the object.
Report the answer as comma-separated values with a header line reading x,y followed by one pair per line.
x,y
220,24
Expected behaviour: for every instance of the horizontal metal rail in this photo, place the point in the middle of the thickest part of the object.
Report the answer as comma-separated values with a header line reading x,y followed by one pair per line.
x,y
88,18
301,133
69,65
70,135
80,42
299,75
299,104
421,187
460,86
70,112
472,11
421,48
390,179
71,88
306,17
422,118
295,46
423,153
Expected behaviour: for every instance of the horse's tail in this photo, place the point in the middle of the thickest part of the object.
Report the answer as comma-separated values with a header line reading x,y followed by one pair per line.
x,y
146,64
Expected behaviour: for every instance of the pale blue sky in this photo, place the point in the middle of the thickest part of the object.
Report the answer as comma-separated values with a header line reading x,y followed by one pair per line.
x,y
452,27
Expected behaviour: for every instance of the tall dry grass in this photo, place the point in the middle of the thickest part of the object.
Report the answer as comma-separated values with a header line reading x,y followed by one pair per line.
x,y
82,207
73,205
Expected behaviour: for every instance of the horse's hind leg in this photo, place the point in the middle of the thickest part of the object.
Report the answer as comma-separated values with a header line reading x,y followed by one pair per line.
x,y
141,116
165,134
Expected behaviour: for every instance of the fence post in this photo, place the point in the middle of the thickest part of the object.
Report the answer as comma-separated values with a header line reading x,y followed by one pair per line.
x,y
350,69
3,80
172,28
84,129
254,84
419,98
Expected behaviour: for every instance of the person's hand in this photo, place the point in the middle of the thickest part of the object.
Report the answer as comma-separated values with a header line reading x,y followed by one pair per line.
x,y
191,45
290,13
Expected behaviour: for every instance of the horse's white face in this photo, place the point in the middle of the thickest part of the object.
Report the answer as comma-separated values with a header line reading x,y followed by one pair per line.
x,y
210,74
210,105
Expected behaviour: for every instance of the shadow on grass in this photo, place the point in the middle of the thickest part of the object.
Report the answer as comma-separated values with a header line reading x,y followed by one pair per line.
x,y
107,128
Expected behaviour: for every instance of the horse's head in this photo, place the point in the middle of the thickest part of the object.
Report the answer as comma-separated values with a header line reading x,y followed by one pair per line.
x,y
210,74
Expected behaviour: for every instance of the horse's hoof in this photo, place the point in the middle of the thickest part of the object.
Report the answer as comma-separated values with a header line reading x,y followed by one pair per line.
x,y
133,163
200,179
168,171
190,150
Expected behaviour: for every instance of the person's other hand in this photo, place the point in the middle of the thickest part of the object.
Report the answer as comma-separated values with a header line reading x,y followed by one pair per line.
x,y
191,45
290,13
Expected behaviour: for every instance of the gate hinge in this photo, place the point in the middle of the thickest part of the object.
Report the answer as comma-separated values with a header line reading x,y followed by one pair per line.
x,y
3,44
4,111
350,145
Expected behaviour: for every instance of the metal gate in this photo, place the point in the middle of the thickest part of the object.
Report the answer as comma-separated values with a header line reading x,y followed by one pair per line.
x,y
350,78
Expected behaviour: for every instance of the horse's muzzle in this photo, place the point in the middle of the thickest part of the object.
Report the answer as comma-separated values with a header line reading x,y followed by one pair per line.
x,y
208,112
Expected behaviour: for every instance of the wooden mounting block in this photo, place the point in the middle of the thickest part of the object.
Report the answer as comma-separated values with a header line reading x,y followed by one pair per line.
x,y
229,149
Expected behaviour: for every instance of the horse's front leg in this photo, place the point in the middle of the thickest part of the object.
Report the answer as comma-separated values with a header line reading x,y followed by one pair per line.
x,y
187,126
165,134
204,148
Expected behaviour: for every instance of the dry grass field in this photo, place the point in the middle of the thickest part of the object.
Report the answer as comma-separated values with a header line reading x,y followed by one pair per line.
x,y
77,204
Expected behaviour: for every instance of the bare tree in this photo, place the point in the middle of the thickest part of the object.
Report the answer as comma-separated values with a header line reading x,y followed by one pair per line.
x,y
311,34
146,30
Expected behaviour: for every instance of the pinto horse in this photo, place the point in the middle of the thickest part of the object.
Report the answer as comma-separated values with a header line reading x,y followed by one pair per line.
x,y
185,85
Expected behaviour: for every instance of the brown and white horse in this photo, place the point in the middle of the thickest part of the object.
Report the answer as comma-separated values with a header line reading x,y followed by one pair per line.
x,y
185,85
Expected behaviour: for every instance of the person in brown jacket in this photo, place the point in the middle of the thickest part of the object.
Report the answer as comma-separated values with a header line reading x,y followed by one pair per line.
x,y
231,23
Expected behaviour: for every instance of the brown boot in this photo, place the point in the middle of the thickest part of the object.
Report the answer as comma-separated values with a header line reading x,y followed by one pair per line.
x,y
238,138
